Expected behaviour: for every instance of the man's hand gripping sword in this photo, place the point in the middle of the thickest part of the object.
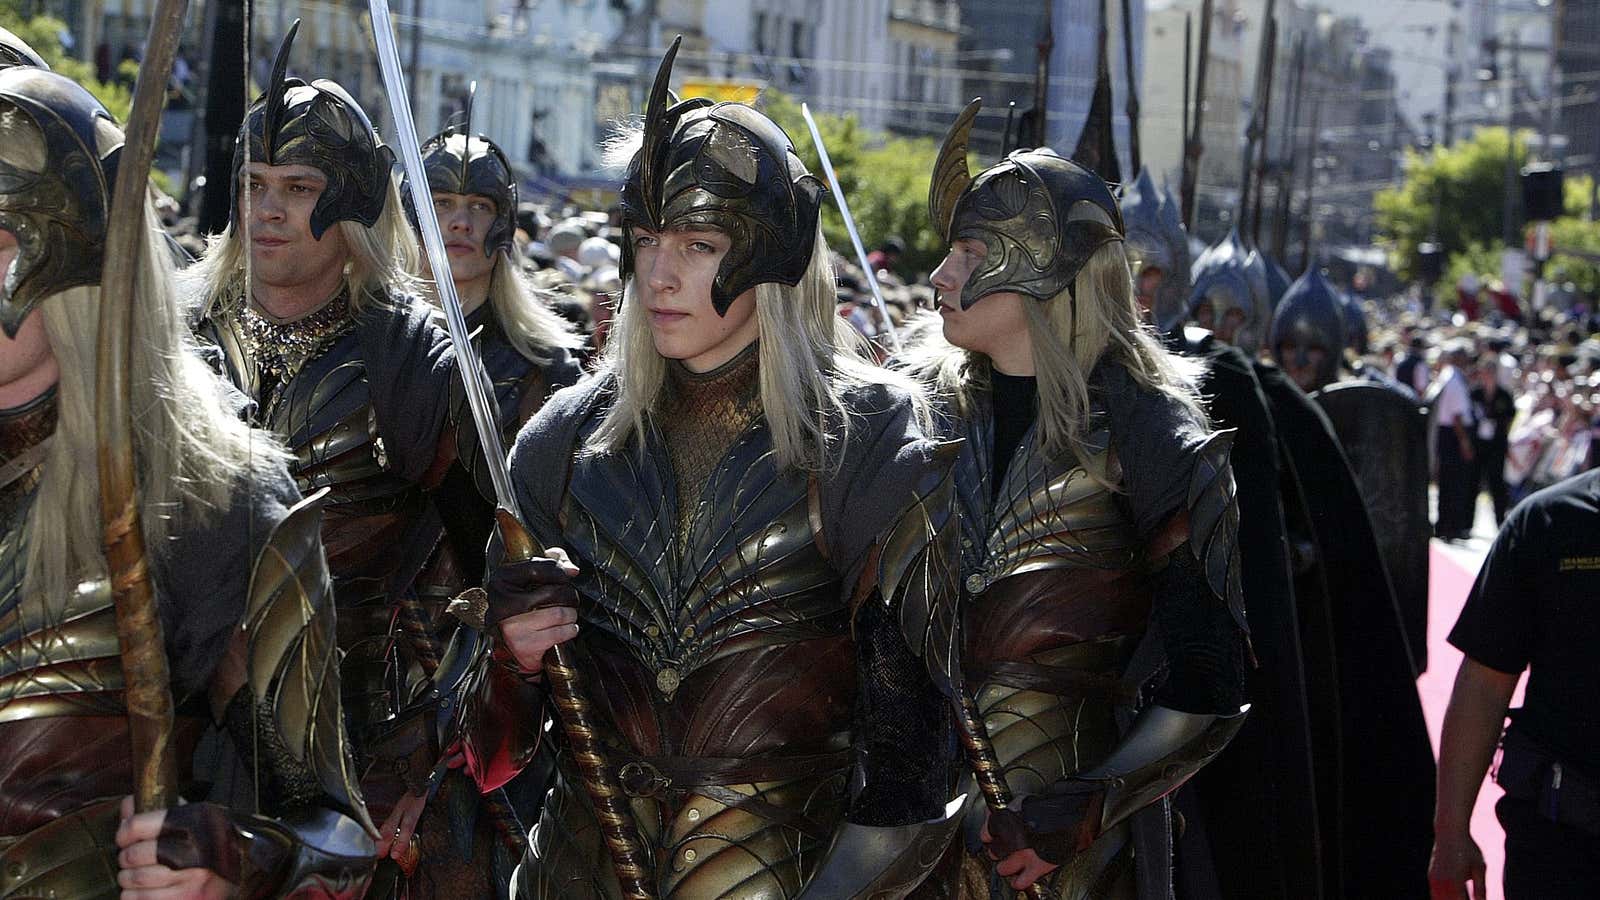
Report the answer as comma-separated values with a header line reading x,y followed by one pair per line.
x,y
573,708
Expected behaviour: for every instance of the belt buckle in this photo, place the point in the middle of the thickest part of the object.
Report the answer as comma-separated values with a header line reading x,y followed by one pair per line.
x,y
641,779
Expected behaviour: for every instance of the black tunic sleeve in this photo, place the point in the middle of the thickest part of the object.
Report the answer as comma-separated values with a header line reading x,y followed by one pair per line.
x,y
410,364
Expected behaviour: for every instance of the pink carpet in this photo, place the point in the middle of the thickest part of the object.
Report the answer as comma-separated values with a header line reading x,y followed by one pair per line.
x,y
1453,570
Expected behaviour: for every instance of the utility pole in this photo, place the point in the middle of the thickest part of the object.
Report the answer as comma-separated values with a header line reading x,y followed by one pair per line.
x,y
1452,71
1509,230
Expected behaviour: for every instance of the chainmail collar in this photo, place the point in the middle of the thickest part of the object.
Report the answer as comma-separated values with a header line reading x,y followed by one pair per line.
x,y
705,412
23,432
737,375
280,348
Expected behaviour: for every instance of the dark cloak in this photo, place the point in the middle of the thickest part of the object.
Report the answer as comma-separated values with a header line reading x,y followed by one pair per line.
x,y
1383,808
1255,804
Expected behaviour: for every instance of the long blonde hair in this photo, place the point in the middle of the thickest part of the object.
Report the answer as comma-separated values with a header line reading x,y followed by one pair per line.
x,y
809,359
190,449
522,310
1069,339
382,260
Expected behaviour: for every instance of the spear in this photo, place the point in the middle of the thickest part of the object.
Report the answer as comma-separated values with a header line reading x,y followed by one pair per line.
x,y
1193,145
147,684
1132,107
561,672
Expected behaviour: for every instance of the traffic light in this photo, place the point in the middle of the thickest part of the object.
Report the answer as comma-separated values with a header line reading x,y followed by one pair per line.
x,y
1430,262
1542,191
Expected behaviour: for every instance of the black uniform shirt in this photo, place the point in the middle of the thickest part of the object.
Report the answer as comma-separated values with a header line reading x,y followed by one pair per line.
x,y
1536,605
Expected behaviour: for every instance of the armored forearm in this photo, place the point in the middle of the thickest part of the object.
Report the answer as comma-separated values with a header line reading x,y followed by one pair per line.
x,y
882,862
1161,752
316,853
501,713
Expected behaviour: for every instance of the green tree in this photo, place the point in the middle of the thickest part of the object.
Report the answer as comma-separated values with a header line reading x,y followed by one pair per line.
x,y
43,34
884,178
1467,181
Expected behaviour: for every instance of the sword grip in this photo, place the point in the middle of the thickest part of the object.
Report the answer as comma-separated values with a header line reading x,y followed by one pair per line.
x,y
985,767
577,723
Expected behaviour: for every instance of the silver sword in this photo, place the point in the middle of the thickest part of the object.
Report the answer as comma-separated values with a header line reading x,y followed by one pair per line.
x,y
850,226
611,805
479,397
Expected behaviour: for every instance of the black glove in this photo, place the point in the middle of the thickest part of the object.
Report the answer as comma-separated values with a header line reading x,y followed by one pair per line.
x,y
519,587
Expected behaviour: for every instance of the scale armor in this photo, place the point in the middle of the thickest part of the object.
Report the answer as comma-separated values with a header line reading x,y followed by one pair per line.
x,y
721,617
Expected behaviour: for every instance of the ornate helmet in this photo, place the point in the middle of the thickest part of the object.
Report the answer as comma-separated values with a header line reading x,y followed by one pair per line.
x,y
460,162
1227,277
58,161
1310,317
1040,216
727,166
322,126
1156,239
14,51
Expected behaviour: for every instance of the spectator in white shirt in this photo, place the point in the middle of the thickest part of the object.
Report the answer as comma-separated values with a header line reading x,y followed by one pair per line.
x,y
1451,399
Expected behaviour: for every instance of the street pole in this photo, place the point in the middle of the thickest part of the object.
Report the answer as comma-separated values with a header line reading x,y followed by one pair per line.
x,y
1509,207
226,83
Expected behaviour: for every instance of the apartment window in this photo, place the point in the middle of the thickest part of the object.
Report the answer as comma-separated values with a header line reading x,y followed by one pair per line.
x,y
760,25
797,38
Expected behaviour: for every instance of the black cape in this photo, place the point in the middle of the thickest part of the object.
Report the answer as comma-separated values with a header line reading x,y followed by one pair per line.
x,y
1255,804
1377,832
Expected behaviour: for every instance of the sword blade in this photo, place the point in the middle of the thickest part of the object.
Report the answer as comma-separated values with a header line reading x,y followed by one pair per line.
x,y
485,412
850,226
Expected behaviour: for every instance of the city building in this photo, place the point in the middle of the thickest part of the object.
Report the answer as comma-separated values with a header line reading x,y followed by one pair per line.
x,y
539,66
1223,121
1000,47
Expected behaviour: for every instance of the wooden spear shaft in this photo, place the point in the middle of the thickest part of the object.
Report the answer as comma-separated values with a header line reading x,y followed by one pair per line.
x,y
148,687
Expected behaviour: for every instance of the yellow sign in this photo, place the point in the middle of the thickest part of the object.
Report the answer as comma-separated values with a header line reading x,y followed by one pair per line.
x,y
734,91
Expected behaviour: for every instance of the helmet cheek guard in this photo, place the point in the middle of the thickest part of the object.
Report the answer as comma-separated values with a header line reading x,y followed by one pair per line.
x,y
58,161
1040,216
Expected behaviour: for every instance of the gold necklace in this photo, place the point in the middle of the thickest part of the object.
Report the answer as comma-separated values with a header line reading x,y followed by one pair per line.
x,y
281,348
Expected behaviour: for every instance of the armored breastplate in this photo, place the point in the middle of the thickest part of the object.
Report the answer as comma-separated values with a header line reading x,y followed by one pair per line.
x,y
309,384
63,724
722,659
1055,604
57,658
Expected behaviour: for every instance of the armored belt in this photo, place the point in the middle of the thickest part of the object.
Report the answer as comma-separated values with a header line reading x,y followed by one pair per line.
x,y
710,776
